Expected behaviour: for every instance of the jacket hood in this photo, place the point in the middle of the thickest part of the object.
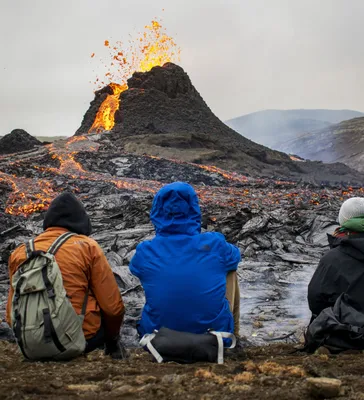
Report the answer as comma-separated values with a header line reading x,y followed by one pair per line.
x,y
352,245
66,211
175,209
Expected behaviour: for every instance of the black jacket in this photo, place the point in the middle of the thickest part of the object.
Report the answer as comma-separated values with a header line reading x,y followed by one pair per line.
x,y
66,211
341,270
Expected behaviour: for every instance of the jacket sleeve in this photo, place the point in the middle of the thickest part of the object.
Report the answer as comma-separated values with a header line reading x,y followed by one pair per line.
x,y
136,264
324,288
231,256
106,291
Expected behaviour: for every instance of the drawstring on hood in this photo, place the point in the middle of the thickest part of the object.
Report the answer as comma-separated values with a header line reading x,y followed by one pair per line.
x,y
66,211
175,209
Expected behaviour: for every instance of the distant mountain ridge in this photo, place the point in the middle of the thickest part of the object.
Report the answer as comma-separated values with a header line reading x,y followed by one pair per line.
x,y
273,128
343,142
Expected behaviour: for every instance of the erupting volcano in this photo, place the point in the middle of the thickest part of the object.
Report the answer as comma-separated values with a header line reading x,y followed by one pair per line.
x,y
151,48
147,94
151,107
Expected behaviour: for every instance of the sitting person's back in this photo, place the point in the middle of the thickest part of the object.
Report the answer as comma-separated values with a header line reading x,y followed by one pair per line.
x,y
343,265
87,277
183,272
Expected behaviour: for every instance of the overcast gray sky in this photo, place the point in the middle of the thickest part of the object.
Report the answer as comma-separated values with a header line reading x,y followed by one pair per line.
x,y
242,55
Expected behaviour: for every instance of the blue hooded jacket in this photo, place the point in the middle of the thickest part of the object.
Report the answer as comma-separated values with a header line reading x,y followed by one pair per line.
x,y
183,272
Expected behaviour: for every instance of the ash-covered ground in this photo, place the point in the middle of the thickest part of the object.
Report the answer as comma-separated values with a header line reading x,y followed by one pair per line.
x,y
269,372
280,226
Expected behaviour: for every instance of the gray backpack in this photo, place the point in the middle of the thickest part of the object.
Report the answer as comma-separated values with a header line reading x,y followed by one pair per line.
x,y
45,323
339,328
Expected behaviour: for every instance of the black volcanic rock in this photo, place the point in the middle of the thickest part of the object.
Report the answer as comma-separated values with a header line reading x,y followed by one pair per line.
x,y
18,140
169,79
163,114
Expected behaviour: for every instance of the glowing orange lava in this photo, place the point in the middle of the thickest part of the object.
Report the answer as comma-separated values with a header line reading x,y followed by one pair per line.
x,y
232,176
31,195
293,158
28,195
151,48
156,48
104,120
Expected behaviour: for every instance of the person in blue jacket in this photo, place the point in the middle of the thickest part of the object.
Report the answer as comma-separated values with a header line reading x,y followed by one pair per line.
x,y
184,273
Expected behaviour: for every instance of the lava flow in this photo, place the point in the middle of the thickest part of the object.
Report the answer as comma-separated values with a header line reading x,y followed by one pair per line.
x,y
65,152
104,120
30,195
232,176
24,200
152,48
71,168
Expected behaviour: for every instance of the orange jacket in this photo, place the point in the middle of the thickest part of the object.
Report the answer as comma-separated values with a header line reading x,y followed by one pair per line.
x,y
83,266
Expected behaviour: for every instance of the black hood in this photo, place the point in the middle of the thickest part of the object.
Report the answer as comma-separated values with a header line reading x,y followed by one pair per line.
x,y
66,211
352,245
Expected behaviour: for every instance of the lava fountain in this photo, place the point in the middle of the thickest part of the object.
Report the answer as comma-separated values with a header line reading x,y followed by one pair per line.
x,y
151,48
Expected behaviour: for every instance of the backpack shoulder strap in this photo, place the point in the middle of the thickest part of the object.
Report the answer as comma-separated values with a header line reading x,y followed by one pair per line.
x,y
30,251
52,250
59,241
29,248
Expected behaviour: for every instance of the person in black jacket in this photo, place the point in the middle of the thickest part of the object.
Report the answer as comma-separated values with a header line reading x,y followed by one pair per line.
x,y
342,267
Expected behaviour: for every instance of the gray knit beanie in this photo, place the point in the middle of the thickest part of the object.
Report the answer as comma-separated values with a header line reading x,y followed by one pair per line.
x,y
351,208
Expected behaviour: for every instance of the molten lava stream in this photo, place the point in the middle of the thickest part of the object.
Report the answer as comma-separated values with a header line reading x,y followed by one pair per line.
x,y
28,195
105,117
231,176
65,152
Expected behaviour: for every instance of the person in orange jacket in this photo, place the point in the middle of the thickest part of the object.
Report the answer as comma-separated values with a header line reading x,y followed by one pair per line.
x,y
84,267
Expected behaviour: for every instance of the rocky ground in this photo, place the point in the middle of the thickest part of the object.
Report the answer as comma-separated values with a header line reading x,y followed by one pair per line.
x,y
271,372
280,226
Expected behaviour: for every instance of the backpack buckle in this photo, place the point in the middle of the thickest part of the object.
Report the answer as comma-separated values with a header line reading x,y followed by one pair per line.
x,y
354,328
51,293
357,331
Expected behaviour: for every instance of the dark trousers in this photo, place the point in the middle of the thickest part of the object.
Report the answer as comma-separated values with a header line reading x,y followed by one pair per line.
x,y
97,341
